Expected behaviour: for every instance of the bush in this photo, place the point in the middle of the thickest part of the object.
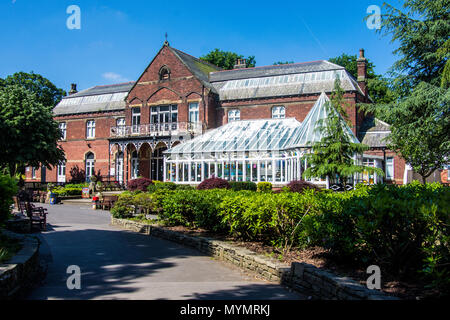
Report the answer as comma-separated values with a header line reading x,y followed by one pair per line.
x,y
402,229
264,187
246,185
214,183
140,184
124,207
300,185
8,189
145,202
192,208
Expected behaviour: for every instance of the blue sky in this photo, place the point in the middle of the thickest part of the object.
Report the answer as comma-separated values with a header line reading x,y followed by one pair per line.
x,y
118,39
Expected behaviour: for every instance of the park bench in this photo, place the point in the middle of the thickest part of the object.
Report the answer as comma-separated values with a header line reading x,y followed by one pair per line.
x,y
36,215
108,202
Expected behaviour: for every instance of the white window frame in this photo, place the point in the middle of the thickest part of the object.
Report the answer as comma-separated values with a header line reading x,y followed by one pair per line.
x,y
194,112
63,128
61,173
90,129
234,115
90,167
390,178
33,172
279,112
135,119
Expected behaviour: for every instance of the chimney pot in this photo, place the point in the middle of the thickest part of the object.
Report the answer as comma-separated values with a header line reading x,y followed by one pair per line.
x,y
73,89
240,64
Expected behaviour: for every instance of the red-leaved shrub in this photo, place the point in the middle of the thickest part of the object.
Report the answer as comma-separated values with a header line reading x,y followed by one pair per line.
x,y
139,184
301,185
214,183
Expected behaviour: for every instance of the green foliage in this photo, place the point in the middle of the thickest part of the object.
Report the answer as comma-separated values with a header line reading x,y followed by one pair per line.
x,y
8,247
264,187
420,128
402,229
332,156
8,189
124,206
349,62
226,60
243,185
29,133
69,189
421,31
193,208
46,92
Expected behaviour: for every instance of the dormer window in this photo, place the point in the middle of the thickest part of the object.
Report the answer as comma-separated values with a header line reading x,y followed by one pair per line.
x,y
164,73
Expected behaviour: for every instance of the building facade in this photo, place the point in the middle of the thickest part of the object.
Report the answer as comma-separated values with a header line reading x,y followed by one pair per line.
x,y
124,131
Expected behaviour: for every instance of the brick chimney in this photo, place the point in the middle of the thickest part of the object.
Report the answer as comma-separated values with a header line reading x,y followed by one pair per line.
x,y
73,90
362,71
240,64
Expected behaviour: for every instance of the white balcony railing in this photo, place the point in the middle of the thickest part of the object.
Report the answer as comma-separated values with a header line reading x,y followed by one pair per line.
x,y
157,129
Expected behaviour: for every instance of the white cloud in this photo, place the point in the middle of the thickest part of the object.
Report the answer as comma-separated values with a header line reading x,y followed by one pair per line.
x,y
115,77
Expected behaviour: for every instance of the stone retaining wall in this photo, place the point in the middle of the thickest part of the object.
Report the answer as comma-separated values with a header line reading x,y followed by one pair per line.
x,y
22,270
301,277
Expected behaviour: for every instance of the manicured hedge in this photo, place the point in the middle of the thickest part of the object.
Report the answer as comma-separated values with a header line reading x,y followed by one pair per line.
x,y
243,185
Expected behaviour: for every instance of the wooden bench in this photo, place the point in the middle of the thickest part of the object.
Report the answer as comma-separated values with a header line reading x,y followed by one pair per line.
x,y
37,215
108,202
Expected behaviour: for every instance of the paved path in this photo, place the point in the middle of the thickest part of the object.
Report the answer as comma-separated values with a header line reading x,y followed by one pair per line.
x,y
117,264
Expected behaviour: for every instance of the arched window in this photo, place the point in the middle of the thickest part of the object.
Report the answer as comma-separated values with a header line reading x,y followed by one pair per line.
x,y
90,169
164,73
278,112
234,115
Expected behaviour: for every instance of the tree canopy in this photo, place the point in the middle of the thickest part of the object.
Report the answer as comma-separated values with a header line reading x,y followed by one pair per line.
x,y
46,92
332,156
419,116
29,133
226,59
421,29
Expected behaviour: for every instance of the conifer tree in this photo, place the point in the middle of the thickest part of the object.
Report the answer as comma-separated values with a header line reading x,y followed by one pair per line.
x,y
334,155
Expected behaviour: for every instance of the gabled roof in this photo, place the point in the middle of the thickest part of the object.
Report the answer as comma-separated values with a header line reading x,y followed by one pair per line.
x,y
308,133
374,132
95,99
199,68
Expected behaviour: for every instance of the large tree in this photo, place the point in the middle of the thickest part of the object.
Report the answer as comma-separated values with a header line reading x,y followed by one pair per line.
x,y
29,133
333,155
420,128
419,116
46,92
226,59
421,29
377,85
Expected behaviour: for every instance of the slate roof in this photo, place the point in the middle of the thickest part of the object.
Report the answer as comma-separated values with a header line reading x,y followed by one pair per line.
x,y
374,132
284,80
200,68
95,99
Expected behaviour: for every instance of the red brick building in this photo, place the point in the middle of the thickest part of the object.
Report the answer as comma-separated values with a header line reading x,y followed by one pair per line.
x,y
121,131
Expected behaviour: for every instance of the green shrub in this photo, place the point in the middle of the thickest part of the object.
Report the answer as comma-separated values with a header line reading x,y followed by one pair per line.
x,y
264,187
146,203
8,189
243,185
124,206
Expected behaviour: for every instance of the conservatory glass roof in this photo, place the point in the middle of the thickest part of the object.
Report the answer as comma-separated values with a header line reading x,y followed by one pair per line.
x,y
239,136
262,135
308,134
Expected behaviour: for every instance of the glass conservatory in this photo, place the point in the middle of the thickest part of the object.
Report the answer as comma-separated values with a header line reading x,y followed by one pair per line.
x,y
249,150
